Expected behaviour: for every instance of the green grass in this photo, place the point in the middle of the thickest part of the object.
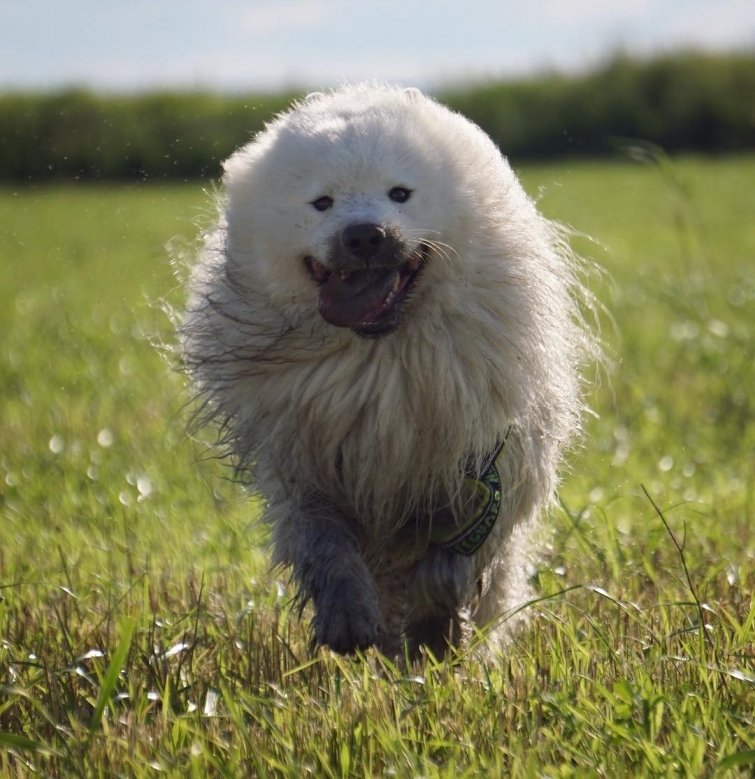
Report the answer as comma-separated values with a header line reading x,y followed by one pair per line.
x,y
141,631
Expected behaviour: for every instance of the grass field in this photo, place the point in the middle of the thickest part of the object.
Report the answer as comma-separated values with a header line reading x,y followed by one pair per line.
x,y
141,632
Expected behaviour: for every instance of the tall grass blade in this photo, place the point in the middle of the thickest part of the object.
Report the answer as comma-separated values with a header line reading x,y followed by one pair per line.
x,y
111,676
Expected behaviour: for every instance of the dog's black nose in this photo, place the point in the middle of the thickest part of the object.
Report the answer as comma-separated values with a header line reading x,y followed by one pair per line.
x,y
364,240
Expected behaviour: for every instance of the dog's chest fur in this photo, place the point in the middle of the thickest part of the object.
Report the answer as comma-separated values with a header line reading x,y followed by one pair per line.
x,y
382,429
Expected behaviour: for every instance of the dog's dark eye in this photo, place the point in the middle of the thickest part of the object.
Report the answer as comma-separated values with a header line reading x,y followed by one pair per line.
x,y
400,194
323,203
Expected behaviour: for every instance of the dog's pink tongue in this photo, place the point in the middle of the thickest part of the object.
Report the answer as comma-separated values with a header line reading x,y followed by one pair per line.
x,y
356,299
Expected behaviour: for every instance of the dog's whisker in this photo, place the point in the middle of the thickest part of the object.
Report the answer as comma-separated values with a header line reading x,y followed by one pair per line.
x,y
444,250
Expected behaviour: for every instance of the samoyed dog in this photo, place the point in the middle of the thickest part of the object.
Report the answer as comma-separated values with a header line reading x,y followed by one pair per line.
x,y
389,337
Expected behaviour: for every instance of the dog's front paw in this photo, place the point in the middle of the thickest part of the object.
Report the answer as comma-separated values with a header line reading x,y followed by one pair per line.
x,y
346,618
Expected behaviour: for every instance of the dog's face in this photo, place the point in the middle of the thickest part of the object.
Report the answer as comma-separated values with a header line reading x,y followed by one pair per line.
x,y
343,215
370,266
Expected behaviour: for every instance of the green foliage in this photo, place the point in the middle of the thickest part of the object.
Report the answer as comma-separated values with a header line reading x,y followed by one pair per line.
x,y
681,103
140,629
77,135
688,102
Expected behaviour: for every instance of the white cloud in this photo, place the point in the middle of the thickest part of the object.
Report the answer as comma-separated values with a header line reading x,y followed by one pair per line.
x,y
282,16
591,11
269,44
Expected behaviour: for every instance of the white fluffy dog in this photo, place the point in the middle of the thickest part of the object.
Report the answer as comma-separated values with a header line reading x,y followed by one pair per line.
x,y
389,336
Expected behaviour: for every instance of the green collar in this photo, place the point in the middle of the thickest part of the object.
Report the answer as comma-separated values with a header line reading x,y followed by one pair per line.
x,y
486,494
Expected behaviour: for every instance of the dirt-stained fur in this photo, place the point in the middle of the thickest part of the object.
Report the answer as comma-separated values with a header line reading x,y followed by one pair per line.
x,y
378,310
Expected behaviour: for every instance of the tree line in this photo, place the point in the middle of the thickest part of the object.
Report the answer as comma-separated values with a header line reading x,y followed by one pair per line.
x,y
688,102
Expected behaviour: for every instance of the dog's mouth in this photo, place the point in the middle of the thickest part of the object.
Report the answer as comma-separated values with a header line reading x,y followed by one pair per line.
x,y
368,301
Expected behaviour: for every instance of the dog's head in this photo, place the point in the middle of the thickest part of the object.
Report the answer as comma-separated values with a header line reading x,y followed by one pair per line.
x,y
349,204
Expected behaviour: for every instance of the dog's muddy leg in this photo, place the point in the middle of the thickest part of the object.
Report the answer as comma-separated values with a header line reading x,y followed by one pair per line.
x,y
436,632
391,583
436,614
330,572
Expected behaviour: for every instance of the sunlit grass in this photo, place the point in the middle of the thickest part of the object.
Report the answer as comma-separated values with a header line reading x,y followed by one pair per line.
x,y
141,630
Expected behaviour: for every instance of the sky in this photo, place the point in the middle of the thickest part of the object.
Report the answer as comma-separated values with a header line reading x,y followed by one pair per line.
x,y
267,45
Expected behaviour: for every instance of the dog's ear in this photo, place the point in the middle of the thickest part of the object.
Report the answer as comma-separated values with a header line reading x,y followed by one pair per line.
x,y
313,97
413,94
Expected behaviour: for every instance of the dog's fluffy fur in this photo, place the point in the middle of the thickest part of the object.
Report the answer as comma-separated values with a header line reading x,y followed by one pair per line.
x,y
377,306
